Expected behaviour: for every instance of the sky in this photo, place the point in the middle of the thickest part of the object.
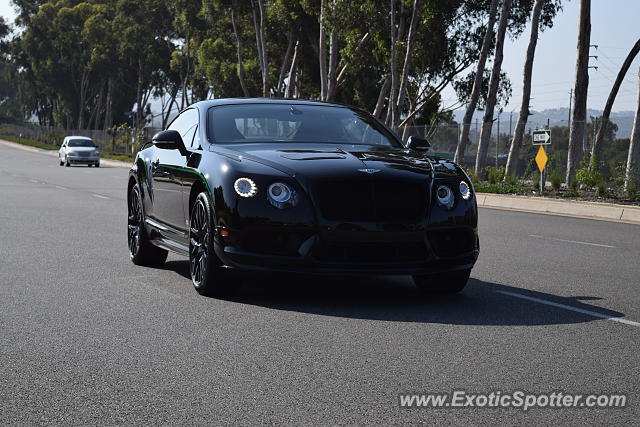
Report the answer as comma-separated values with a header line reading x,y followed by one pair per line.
x,y
614,28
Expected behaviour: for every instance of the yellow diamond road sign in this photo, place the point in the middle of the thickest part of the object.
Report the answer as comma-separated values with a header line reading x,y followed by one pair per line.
x,y
541,158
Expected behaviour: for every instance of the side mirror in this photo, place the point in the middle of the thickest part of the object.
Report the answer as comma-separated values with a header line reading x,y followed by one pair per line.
x,y
169,140
417,143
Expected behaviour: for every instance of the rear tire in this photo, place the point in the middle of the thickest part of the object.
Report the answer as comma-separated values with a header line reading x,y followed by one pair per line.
x,y
141,250
61,162
445,283
207,275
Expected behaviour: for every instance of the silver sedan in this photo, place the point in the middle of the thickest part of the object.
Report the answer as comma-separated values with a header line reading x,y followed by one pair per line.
x,y
78,150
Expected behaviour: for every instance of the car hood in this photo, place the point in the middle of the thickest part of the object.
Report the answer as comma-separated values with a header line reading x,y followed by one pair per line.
x,y
317,162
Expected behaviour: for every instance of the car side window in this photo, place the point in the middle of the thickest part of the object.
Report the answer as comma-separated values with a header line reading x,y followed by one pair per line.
x,y
185,124
191,138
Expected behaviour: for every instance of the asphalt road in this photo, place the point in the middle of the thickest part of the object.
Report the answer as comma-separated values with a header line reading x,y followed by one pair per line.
x,y
86,337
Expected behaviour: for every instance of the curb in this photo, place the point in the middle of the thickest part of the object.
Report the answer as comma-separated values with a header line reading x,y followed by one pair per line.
x,y
542,205
54,153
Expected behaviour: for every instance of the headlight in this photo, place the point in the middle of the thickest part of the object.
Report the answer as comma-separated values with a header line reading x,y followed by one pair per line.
x,y
245,187
465,191
281,195
445,196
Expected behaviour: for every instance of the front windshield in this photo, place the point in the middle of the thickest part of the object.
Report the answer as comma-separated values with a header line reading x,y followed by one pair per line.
x,y
80,143
232,124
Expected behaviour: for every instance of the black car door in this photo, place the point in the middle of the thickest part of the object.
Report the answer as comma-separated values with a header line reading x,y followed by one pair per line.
x,y
166,170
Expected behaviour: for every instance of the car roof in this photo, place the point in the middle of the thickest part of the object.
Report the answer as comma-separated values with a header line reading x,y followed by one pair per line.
x,y
235,101
77,137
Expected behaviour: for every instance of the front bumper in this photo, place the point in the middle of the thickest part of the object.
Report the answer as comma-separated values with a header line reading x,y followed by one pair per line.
x,y
434,251
83,160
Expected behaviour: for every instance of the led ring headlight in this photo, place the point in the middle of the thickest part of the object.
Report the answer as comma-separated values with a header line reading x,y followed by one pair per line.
x,y
445,196
465,191
281,195
245,187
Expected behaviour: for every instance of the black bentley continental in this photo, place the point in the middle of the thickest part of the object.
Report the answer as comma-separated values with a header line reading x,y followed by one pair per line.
x,y
299,186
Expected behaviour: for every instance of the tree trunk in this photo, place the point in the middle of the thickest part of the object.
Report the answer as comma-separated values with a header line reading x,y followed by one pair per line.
x,y
633,158
285,62
243,83
391,112
477,83
409,54
258,26
487,121
292,72
343,70
109,106
333,57
322,52
381,97
604,120
516,142
579,114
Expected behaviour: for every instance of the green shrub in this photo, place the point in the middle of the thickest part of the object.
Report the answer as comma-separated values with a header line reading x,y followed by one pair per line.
x,y
511,179
601,189
632,191
556,180
573,189
588,178
495,175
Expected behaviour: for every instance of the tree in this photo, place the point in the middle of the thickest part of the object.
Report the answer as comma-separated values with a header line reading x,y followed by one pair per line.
x,y
475,91
633,158
604,119
579,114
487,121
516,142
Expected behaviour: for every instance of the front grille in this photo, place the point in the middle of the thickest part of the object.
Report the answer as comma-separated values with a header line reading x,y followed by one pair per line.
x,y
450,242
382,253
372,201
83,153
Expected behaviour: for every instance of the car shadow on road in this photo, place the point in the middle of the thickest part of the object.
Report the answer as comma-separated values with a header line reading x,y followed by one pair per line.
x,y
396,299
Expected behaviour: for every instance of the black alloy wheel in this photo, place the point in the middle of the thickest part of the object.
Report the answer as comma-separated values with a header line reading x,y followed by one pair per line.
x,y
206,273
141,251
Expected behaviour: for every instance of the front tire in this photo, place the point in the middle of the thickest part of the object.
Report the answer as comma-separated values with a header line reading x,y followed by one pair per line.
x,y
207,275
141,250
66,161
445,283
97,165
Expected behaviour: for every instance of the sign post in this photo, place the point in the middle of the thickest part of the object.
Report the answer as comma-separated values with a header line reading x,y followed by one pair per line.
x,y
541,138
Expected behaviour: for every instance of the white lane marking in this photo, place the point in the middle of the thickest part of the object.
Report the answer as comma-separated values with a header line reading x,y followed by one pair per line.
x,y
60,187
571,241
570,308
100,196
33,180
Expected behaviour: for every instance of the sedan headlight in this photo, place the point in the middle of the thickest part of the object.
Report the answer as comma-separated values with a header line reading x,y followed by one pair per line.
x,y
245,187
465,191
445,196
281,195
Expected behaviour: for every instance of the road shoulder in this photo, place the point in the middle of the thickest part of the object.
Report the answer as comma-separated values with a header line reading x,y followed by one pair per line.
x,y
543,205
